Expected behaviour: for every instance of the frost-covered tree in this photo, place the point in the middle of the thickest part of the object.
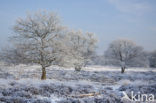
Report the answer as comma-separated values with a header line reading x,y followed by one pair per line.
x,y
39,36
125,53
152,59
81,48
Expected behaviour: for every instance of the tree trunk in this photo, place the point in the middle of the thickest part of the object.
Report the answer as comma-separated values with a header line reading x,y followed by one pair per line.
x,y
122,69
78,68
43,77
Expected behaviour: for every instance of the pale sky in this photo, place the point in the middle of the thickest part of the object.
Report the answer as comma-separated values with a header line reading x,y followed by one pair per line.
x,y
108,19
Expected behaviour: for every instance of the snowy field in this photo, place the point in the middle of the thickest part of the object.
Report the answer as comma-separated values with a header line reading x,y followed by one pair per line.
x,y
96,84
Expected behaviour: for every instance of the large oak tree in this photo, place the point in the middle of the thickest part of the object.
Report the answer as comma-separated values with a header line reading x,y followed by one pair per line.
x,y
39,37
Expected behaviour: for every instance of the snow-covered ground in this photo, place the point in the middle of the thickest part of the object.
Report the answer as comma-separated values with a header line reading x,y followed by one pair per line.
x,y
95,84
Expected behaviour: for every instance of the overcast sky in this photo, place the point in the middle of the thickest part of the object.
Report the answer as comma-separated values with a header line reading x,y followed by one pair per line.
x,y
108,19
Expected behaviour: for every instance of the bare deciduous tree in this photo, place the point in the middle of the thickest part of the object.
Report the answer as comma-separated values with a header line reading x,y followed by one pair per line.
x,y
39,37
82,47
125,53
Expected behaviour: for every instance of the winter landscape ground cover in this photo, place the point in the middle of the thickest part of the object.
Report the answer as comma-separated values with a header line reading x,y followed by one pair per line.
x,y
94,84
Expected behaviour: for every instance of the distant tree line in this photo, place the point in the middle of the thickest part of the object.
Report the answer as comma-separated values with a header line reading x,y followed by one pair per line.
x,y
152,59
40,38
